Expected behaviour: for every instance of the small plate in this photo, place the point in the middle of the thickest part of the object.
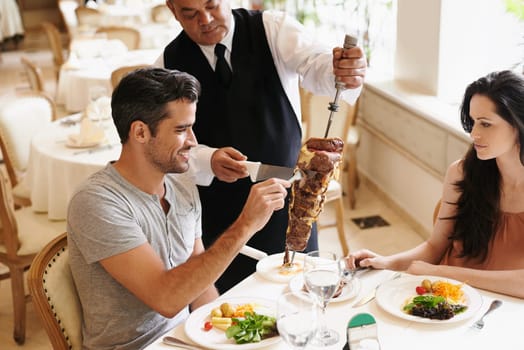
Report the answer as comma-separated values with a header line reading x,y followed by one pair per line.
x,y
216,338
270,267
349,291
393,294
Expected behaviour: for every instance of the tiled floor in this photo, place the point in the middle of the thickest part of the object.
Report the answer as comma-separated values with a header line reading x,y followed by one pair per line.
x,y
388,239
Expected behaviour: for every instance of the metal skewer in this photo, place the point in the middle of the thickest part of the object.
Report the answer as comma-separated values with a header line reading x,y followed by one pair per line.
x,y
349,42
292,258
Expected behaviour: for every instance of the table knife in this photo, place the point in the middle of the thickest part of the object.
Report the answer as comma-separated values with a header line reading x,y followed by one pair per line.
x,y
372,294
180,343
259,172
366,299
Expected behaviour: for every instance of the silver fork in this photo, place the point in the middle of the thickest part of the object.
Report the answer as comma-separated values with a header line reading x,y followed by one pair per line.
x,y
495,304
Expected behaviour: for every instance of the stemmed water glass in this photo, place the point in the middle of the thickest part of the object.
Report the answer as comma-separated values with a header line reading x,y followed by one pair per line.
x,y
95,110
297,318
322,273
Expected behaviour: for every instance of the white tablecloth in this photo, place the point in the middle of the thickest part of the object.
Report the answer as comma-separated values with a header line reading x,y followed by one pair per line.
x,y
502,330
55,170
90,64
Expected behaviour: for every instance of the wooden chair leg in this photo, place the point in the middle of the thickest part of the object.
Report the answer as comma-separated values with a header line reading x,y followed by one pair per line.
x,y
339,208
352,178
19,301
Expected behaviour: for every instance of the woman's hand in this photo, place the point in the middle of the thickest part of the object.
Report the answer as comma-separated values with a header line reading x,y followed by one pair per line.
x,y
366,258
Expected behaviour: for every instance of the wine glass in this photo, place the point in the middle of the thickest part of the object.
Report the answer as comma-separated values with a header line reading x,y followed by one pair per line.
x,y
297,318
322,273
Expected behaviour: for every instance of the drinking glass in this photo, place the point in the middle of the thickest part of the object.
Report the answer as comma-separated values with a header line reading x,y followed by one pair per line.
x,y
322,273
297,318
95,110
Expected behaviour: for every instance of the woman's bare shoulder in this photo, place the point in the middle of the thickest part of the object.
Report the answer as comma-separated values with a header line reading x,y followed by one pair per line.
x,y
455,171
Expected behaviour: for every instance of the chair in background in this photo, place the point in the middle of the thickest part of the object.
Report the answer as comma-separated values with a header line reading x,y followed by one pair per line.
x,y
34,74
23,234
54,295
334,192
129,36
20,119
161,14
119,73
88,17
351,142
55,41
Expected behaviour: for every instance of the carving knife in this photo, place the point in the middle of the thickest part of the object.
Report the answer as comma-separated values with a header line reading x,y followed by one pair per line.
x,y
372,294
259,172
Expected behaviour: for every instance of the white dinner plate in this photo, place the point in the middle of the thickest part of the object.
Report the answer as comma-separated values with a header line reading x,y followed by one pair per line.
x,y
271,267
393,294
216,338
349,291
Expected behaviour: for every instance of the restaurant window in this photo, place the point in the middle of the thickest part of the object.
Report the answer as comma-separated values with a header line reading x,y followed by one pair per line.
x,y
443,45
436,46
372,21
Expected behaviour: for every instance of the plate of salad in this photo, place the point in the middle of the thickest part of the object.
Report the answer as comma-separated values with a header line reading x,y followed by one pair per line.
x,y
428,299
235,323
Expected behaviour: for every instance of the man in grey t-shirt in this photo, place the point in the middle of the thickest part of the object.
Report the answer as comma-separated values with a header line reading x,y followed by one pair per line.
x,y
134,228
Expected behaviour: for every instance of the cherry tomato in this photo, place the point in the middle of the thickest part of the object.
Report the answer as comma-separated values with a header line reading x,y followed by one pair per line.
x,y
421,290
208,326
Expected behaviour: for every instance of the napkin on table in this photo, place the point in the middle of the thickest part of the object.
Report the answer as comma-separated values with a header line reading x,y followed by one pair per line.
x,y
89,134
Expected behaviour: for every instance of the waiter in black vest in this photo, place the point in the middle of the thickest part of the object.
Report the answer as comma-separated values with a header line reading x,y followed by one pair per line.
x,y
249,64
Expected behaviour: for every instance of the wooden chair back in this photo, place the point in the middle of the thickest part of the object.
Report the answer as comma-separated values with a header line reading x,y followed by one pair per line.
x,y
119,73
23,233
34,74
129,36
20,119
88,17
55,42
161,14
54,295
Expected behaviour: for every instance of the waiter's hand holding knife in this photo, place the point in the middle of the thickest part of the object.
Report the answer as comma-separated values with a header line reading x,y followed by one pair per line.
x,y
228,165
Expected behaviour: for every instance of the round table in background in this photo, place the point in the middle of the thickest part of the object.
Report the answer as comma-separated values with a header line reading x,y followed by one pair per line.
x,y
55,170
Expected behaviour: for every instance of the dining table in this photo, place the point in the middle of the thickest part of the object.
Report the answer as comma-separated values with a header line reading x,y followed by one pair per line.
x,y
132,13
395,329
90,64
56,167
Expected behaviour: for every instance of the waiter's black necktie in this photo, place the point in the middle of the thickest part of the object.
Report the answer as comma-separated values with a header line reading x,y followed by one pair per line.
x,y
222,68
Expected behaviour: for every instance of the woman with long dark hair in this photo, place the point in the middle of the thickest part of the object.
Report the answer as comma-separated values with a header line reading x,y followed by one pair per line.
x,y
479,234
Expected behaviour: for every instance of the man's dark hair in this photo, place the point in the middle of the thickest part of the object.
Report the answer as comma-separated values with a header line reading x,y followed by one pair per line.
x,y
143,94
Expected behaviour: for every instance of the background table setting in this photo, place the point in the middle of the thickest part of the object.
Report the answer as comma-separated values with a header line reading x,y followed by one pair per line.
x,y
90,63
127,12
63,155
387,292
